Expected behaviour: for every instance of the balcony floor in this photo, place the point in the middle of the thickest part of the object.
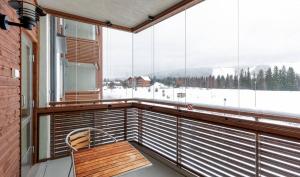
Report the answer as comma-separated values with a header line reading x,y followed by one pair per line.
x,y
60,168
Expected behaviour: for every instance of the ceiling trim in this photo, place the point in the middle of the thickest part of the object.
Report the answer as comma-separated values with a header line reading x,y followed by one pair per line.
x,y
85,19
177,8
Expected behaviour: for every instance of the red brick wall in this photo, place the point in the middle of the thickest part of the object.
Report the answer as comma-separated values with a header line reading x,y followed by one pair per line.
x,y
9,96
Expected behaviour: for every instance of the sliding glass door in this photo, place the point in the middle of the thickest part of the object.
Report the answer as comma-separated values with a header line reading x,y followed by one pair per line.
x,y
26,105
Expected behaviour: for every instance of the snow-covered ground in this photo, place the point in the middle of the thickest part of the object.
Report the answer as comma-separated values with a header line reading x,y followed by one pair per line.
x,y
278,101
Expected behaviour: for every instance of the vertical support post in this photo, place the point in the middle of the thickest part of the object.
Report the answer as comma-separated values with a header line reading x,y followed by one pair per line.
x,y
35,97
94,126
36,132
100,124
257,171
125,124
177,141
37,152
140,126
99,75
52,117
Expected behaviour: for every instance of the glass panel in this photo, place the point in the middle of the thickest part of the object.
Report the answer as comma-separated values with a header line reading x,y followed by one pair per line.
x,y
269,55
26,104
78,68
26,147
212,63
169,60
143,64
25,133
44,137
117,63
79,30
26,95
85,76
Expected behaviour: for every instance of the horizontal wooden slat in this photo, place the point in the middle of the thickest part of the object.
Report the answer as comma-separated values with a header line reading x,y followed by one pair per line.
x,y
80,140
82,145
82,51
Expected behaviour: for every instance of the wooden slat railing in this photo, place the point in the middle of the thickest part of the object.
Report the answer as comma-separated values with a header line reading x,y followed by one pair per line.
x,y
202,141
231,111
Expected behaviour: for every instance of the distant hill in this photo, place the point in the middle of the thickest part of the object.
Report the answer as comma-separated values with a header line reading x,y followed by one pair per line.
x,y
199,72
191,72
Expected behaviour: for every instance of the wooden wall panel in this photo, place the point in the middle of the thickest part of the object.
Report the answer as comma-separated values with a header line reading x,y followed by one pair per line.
x,y
82,95
82,50
10,58
9,97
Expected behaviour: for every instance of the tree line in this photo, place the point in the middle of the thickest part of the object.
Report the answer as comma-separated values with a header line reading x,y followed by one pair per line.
x,y
275,78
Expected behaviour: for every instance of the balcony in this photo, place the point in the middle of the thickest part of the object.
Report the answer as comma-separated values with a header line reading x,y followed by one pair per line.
x,y
200,88
204,141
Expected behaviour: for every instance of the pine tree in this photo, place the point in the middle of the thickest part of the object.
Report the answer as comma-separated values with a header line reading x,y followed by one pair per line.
x,y
283,78
269,79
248,79
235,81
291,79
298,82
223,81
227,81
242,79
276,78
218,82
253,82
260,80
231,84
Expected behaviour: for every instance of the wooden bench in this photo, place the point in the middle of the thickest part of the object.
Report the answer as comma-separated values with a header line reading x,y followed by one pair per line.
x,y
108,160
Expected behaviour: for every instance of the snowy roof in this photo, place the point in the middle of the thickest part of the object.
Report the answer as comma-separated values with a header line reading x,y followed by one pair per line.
x,y
146,78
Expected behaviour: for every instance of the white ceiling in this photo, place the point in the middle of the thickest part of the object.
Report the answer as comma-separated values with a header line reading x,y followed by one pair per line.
x,y
127,13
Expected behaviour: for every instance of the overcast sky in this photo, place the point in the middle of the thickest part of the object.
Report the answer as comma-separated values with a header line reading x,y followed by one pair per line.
x,y
269,34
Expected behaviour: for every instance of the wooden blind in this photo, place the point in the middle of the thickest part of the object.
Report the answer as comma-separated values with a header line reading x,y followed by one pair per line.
x,y
82,95
82,50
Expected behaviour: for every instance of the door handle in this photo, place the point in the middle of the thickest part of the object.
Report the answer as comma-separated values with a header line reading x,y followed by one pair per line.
x,y
22,101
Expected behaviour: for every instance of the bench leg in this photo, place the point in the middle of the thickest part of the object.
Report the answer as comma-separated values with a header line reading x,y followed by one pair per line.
x,y
70,169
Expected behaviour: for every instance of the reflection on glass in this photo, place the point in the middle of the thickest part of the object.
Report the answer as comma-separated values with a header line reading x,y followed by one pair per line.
x,y
269,55
78,60
142,80
117,63
169,62
233,58
212,64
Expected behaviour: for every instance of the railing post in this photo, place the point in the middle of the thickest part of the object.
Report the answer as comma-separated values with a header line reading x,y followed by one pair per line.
x,y
257,171
125,124
178,163
52,117
177,142
140,126
94,126
36,135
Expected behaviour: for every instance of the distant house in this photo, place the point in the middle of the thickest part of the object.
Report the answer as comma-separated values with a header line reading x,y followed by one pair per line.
x,y
180,82
140,81
143,81
130,81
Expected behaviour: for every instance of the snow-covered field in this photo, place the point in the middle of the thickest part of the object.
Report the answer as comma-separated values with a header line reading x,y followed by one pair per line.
x,y
278,101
